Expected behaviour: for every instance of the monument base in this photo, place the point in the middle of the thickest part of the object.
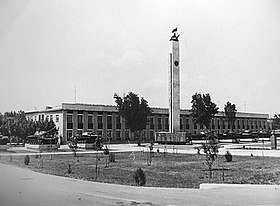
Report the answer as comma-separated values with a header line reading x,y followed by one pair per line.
x,y
172,138
46,147
86,145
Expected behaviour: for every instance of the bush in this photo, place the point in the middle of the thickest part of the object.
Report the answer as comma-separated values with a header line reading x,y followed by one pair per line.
x,y
26,160
139,177
112,157
211,149
228,156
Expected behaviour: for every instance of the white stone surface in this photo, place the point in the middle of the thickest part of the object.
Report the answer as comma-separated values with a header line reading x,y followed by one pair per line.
x,y
174,88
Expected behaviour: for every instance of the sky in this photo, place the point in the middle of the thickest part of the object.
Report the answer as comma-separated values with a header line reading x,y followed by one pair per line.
x,y
228,48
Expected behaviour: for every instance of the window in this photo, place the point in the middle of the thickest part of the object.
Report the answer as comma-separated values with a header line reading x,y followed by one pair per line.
x,y
181,123
51,118
159,124
118,122
69,121
80,118
152,135
57,118
166,123
69,118
187,124
118,133
109,122
80,121
100,122
69,134
238,124
90,122
152,126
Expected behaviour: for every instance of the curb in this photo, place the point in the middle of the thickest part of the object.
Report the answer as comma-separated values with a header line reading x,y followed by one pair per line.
x,y
206,186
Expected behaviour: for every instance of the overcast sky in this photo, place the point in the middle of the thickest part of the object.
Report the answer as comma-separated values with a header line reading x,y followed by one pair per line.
x,y
228,48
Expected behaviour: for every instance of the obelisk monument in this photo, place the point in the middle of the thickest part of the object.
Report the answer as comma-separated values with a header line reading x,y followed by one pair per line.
x,y
174,85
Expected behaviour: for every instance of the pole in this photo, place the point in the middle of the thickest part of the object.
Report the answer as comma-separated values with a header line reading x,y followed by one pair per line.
x,y
263,151
96,165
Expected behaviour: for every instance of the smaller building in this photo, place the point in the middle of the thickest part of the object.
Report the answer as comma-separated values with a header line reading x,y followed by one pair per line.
x,y
72,119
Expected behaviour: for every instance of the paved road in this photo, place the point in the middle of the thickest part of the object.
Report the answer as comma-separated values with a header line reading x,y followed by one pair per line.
x,y
21,187
183,149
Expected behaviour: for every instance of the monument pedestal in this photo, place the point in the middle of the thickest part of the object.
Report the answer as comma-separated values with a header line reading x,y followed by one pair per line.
x,y
172,138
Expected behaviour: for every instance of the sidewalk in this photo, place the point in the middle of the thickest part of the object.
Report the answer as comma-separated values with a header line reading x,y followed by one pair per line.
x,y
180,149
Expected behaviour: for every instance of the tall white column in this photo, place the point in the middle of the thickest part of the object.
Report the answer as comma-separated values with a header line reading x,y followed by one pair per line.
x,y
174,86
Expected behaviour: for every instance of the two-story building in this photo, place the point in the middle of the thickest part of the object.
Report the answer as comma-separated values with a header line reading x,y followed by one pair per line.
x,y
72,119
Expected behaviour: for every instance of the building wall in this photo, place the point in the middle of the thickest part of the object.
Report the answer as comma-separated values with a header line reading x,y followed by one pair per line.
x,y
55,114
77,118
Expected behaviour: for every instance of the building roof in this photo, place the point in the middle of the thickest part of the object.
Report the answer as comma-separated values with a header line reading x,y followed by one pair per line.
x,y
111,108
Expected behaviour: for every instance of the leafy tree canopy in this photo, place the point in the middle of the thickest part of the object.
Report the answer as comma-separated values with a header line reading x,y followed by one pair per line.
x,y
135,111
16,124
276,121
230,112
203,109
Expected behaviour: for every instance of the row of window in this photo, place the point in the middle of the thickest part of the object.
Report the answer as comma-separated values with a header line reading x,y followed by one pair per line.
x,y
90,122
42,117
221,124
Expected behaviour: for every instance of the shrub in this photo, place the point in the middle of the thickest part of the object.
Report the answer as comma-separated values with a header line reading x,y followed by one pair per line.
x,y
139,177
69,170
228,156
211,149
112,157
26,160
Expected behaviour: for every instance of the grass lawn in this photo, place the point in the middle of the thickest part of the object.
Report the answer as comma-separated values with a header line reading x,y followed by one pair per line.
x,y
176,170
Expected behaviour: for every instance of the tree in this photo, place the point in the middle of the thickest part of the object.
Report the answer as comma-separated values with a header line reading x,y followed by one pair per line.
x,y
135,112
139,177
230,112
203,109
276,122
16,126
49,127
13,124
211,149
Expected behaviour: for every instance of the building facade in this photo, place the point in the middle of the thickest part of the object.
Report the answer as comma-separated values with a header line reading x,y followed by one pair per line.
x,y
72,119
